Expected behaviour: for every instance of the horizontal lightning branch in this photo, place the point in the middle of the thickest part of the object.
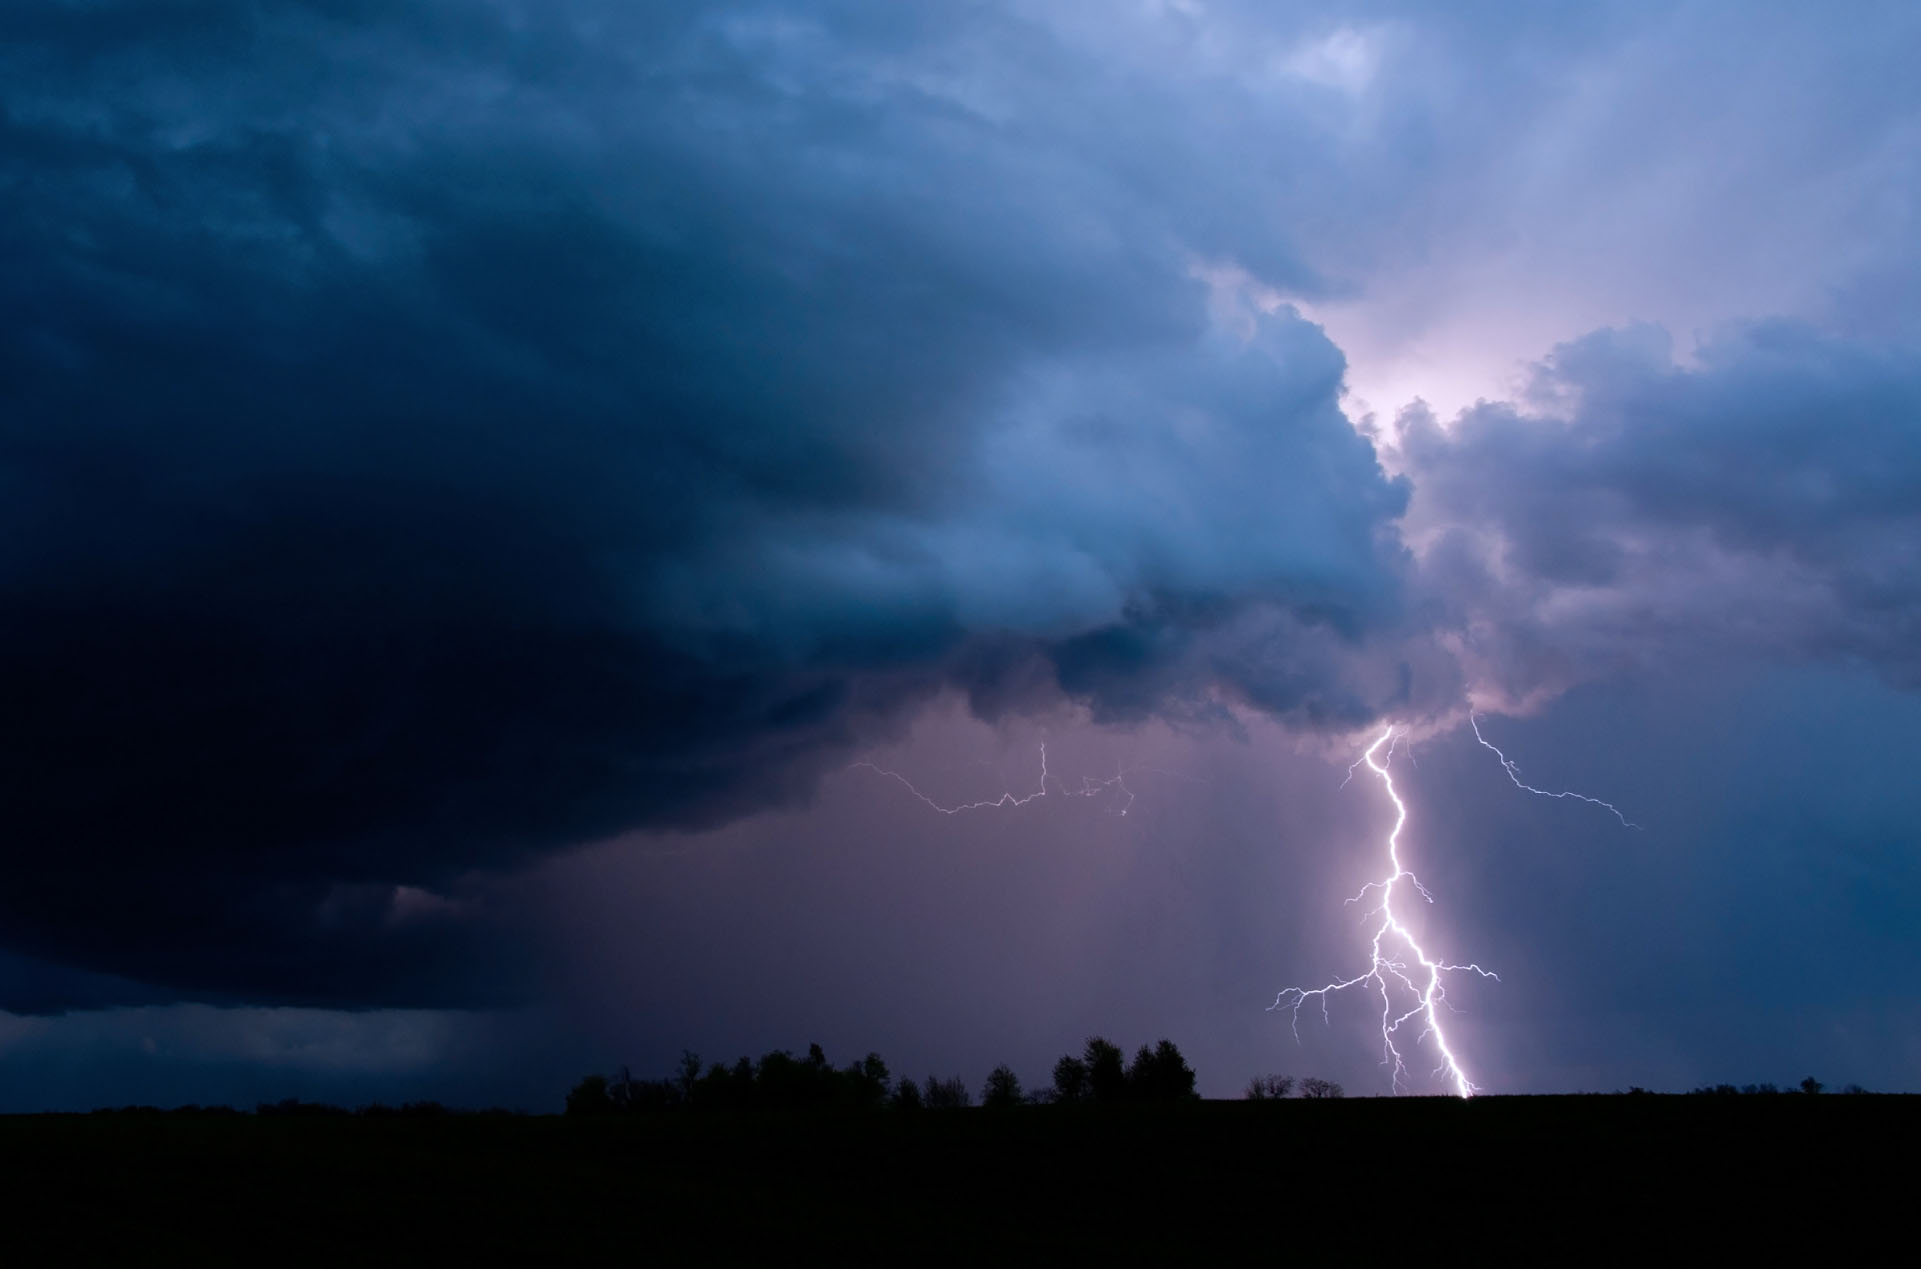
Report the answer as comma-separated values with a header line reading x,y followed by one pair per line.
x,y
1089,787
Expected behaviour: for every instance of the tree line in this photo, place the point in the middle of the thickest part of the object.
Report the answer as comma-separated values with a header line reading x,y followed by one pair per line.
x,y
1808,1087
1099,1075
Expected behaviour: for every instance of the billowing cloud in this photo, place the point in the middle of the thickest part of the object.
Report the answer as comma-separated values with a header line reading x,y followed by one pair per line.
x,y
1763,499
434,434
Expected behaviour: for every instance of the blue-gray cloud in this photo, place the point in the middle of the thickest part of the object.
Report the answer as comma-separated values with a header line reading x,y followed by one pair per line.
x,y
433,434
1764,499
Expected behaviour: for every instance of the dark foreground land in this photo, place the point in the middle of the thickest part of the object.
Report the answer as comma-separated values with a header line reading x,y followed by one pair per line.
x,y
1502,1180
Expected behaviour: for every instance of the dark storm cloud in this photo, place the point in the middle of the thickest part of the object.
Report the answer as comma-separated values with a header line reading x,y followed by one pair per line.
x,y
1764,498
435,434
432,434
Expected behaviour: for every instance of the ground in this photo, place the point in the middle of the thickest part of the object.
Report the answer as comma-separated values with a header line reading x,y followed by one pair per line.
x,y
1539,1179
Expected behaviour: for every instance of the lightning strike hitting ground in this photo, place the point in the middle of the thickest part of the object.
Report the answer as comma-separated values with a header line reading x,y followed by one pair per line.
x,y
1514,774
1399,942
1396,955
1090,787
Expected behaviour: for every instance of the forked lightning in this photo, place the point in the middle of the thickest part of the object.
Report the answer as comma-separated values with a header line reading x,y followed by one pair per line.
x,y
1399,963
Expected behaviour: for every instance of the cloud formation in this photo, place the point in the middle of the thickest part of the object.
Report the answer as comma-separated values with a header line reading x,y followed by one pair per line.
x,y
1637,512
435,434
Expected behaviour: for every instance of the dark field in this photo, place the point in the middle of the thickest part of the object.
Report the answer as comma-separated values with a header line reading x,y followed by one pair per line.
x,y
1527,1180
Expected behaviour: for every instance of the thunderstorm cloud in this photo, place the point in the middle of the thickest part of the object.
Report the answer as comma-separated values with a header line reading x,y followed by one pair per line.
x,y
439,433
434,435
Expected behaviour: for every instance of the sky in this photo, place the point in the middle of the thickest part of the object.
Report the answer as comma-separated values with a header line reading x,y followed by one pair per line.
x,y
490,490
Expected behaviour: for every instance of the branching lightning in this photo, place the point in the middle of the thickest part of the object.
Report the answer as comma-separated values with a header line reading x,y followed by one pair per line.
x,y
1398,958
1399,965
1089,788
1411,983
1514,774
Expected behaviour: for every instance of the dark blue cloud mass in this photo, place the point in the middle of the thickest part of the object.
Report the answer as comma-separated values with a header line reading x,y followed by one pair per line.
x,y
433,434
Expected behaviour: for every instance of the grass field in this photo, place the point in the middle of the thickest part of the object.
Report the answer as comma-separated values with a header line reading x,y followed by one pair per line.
x,y
1509,1180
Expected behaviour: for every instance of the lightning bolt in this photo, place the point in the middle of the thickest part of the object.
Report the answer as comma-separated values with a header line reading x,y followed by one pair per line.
x,y
1398,960
1514,774
1090,787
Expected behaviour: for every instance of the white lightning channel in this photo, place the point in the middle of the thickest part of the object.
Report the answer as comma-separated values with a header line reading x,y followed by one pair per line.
x,y
1514,774
1398,957
1090,787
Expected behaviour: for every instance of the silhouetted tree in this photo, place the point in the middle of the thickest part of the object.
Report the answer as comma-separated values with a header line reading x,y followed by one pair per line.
x,y
1070,1081
780,1081
1003,1088
1106,1076
285,1106
866,1082
1269,1088
1316,1087
725,1087
907,1096
687,1079
1160,1074
1811,1086
629,1094
949,1094
589,1097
